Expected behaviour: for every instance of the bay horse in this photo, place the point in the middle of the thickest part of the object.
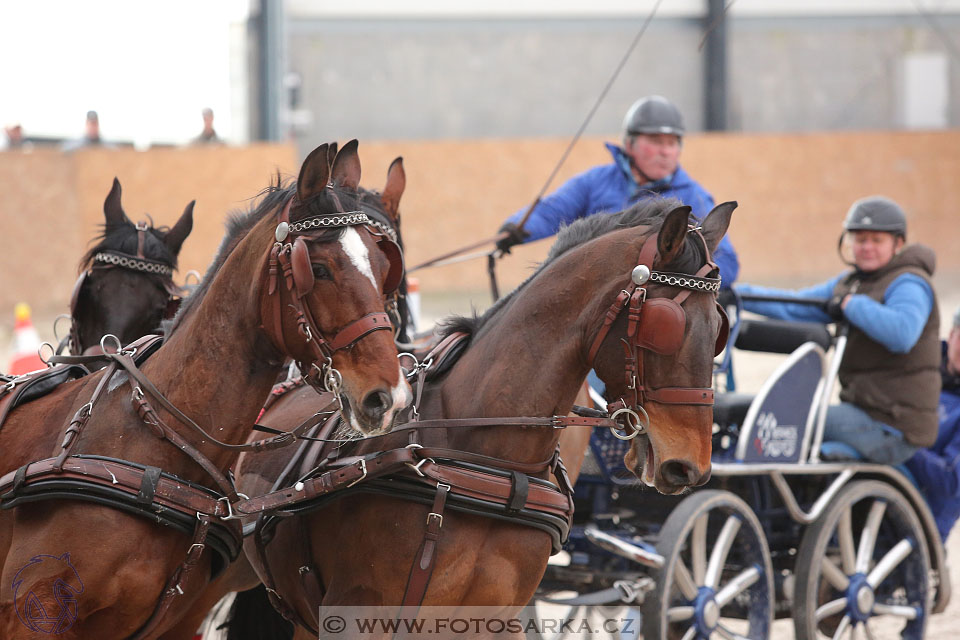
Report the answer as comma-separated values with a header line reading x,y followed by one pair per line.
x,y
383,209
528,355
126,286
302,275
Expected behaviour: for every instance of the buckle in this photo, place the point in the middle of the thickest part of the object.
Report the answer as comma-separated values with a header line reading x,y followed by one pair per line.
x,y
363,469
230,515
437,516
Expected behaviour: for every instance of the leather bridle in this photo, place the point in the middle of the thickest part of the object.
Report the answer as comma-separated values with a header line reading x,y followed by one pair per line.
x,y
112,259
289,259
658,325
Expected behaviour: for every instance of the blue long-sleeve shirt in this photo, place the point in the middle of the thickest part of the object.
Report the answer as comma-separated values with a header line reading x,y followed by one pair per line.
x,y
610,188
896,323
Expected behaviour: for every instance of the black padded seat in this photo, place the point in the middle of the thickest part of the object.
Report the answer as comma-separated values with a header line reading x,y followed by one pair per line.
x,y
731,408
780,336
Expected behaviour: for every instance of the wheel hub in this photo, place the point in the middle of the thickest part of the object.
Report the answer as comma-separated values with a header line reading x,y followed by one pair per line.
x,y
860,598
707,611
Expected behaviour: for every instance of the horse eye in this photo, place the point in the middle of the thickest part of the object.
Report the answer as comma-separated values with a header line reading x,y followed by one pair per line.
x,y
320,271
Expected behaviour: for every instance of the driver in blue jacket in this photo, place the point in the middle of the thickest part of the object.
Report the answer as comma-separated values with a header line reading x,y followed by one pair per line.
x,y
937,469
646,166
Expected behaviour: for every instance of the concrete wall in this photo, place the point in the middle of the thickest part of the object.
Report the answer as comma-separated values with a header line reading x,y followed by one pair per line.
x,y
52,205
793,192
455,77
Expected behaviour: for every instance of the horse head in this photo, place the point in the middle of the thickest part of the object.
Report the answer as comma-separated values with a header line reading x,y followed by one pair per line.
x,y
126,286
330,268
656,356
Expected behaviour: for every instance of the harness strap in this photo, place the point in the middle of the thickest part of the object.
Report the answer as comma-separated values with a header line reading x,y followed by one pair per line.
x,y
423,564
120,475
183,572
72,434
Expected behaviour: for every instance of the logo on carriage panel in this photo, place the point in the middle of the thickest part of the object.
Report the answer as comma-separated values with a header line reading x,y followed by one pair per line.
x,y
773,440
45,594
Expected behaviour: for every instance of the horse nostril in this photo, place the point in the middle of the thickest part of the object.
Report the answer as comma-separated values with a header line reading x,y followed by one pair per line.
x,y
679,472
376,403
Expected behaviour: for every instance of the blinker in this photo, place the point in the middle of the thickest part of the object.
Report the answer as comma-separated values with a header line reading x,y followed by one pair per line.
x,y
640,274
283,230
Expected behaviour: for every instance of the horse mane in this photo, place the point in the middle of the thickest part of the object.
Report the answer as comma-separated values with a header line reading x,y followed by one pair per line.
x,y
649,212
124,238
239,224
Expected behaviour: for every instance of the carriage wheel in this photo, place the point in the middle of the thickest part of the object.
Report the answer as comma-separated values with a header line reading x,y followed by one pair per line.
x,y
717,578
863,566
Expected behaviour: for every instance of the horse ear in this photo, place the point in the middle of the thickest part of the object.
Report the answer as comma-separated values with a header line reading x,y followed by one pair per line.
x,y
314,174
346,167
176,236
331,153
716,223
396,183
672,234
112,209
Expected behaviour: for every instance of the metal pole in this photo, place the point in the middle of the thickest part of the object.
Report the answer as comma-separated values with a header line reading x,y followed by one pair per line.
x,y
715,67
270,66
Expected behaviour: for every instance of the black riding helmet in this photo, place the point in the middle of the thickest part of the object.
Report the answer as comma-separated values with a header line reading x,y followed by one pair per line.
x,y
874,213
653,114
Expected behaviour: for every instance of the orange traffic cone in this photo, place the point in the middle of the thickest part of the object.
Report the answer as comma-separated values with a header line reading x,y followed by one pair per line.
x,y
26,343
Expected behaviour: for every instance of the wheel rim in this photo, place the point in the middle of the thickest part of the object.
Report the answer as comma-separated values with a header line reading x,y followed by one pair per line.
x,y
868,568
718,569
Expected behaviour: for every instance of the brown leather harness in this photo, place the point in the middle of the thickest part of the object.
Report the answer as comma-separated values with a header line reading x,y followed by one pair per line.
x,y
290,261
657,325
412,462
148,491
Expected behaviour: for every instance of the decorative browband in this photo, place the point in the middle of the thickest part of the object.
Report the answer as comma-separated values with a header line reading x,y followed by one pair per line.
x,y
132,262
330,220
695,283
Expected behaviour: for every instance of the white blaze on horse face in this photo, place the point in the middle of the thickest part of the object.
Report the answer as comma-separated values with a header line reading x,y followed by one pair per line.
x,y
353,246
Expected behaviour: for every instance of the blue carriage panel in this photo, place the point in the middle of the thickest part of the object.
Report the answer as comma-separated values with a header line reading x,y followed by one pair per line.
x,y
608,452
781,416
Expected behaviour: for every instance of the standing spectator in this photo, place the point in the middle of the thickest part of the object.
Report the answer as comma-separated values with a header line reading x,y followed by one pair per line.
x,y
208,135
937,469
647,165
91,136
13,138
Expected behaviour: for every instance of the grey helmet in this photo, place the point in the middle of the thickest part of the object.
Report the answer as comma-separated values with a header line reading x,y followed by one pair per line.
x,y
653,114
876,213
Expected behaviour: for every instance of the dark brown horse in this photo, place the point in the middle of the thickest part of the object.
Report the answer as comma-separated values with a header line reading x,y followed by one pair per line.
x,y
302,276
528,356
126,284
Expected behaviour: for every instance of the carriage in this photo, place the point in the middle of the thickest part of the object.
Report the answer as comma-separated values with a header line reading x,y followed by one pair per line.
x,y
788,525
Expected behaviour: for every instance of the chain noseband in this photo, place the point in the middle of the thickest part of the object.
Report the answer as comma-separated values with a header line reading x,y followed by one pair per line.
x,y
289,260
660,330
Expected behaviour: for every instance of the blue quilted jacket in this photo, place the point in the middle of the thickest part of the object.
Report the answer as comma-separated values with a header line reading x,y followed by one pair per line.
x,y
610,188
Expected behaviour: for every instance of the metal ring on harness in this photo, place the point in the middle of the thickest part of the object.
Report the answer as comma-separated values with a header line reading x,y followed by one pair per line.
x,y
638,424
103,343
53,352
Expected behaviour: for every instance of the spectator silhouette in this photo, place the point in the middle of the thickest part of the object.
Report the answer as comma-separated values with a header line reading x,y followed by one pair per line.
x,y
13,139
91,136
208,135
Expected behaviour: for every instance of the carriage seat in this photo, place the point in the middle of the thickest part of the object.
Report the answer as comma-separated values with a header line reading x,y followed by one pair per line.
x,y
832,451
731,408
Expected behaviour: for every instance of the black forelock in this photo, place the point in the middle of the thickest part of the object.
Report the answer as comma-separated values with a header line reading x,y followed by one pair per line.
x,y
124,238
